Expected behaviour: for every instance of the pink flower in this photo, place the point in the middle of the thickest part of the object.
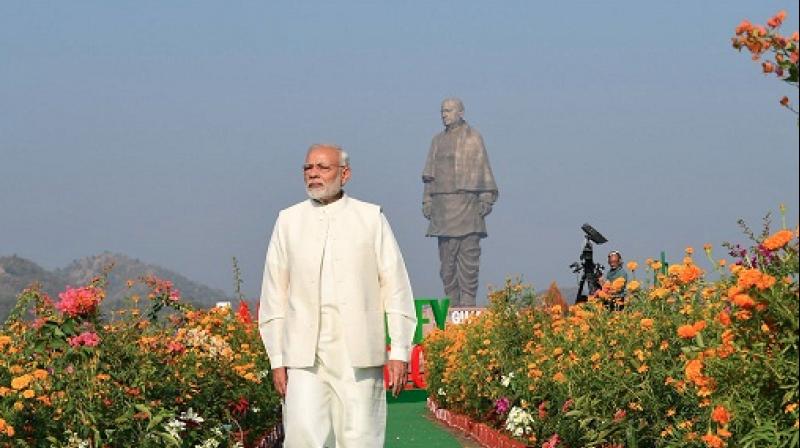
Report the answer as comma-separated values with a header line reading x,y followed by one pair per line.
x,y
543,410
567,405
80,301
502,405
87,338
161,288
619,415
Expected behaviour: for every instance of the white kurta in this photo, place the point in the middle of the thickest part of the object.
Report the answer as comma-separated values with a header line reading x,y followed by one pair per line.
x,y
332,403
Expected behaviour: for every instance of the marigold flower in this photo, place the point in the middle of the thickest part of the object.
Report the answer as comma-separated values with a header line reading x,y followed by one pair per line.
x,y
743,301
619,415
791,407
721,415
693,370
28,393
21,382
699,325
633,285
632,265
687,331
722,432
782,237
646,323
713,441
559,377
689,250
724,318
785,101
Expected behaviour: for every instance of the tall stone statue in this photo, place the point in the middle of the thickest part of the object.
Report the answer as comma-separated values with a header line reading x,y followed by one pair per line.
x,y
459,191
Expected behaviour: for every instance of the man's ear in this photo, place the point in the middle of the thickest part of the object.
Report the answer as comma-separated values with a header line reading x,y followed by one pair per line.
x,y
346,174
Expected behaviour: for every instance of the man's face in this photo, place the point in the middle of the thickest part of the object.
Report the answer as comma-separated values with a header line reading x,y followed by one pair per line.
x,y
451,113
323,176
613,261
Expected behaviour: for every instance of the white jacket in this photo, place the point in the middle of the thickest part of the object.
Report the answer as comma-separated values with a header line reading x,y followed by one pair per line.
x,y
370,280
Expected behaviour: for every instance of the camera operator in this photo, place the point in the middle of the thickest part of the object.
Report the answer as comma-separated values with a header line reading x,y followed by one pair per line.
x,y
615,271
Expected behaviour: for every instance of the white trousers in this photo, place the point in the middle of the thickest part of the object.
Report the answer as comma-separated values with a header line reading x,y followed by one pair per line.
x,y
333,404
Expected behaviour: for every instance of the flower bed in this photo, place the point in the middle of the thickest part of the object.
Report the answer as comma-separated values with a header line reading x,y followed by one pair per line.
x,y
688,362
164,375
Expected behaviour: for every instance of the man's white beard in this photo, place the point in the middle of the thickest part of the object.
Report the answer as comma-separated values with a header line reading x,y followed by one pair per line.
x,y
328,191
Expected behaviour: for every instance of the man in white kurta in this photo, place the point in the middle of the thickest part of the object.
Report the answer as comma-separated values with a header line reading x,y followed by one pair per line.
x,y
333,270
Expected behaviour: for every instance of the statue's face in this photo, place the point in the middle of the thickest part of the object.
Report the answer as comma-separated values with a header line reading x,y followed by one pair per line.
x,y
323,176
613,261
451,114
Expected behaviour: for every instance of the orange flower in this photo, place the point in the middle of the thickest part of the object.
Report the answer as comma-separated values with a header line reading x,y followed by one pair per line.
x,y
21,382
721,415
689,250
743,301
694,370
767,67
632,265
559,377
633,285
713,441
795,36
699,325
785,101
687,331
724,318
646,323
618,283
743,27
782,237
777,19
722,432
754,277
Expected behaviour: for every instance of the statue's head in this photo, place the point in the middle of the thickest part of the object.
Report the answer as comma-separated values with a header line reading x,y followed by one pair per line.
x,y
452,111
325,171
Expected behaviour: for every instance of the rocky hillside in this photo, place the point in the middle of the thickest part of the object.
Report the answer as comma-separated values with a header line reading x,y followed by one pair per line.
x,y
17,273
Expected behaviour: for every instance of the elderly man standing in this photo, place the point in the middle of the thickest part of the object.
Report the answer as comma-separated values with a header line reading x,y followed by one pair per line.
x,y
333,270
459,191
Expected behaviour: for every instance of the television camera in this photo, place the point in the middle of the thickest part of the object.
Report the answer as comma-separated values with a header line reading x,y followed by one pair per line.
x,y
590,272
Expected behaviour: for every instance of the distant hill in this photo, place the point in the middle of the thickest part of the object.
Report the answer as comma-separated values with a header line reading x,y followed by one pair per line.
x,y
17,273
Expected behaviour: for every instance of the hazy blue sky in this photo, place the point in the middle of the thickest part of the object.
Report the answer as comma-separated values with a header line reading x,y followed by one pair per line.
x,y
174,131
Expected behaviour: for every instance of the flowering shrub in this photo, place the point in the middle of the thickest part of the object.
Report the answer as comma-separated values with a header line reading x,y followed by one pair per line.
x,y
171,376
688,362
760,39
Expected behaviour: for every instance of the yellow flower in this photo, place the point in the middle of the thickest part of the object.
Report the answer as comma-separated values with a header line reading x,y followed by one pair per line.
x,y
559,377
633,285
29,393
632,265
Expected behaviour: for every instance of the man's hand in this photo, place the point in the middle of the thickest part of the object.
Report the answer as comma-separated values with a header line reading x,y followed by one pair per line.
x,y
397,376
279,379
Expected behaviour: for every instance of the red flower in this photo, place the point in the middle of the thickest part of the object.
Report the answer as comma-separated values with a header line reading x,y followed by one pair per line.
x,y
239,406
